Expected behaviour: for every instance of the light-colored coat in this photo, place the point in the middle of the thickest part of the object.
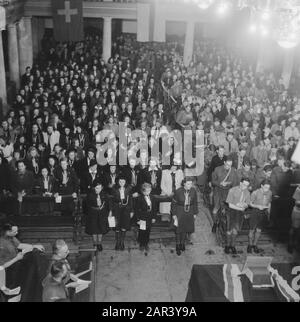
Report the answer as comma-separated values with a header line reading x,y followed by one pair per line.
x,y
54,139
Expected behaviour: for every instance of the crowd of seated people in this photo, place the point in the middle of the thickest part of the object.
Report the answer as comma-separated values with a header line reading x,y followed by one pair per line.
x,y
52,144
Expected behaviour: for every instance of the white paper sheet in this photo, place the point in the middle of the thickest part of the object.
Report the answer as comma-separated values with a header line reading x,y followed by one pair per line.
x,y
15,299
176,222
112,222
15,291
143,225
58,199
296,155
83,285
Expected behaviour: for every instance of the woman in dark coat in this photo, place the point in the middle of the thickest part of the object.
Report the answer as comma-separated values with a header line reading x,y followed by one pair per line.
x,y
122,210
184,209
44,186
145,213
97,214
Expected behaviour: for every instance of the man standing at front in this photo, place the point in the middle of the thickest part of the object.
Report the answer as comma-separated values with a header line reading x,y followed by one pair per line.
x,y
238,200
223,179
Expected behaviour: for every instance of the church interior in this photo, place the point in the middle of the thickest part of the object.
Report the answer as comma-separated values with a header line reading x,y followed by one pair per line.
x,y
149,151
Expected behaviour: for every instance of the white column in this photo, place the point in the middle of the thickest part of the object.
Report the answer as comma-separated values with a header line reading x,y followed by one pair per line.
x,y
107,38
25,44
143,22
13,54
288,65
189,42
3,93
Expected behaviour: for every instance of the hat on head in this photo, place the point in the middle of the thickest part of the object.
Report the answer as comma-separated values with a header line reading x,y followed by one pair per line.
x,y
93,163
91,149
98,182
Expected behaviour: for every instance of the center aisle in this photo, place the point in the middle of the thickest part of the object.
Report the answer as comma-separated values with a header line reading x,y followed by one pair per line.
x,y
131,276
162,276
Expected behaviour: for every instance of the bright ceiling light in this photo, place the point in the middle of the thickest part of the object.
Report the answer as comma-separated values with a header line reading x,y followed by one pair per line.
x,y
266,15
287,44
253,28
204,4
264,31
223,8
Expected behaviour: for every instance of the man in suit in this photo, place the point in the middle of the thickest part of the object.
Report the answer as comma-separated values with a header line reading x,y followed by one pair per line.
x,y
231,144
84,164
223,179
152,175
133,175
67,185
35,137
73,162
65,140
89,177
22,184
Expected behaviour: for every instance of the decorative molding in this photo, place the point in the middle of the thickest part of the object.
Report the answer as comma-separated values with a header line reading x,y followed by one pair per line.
x,y
14,10
2,18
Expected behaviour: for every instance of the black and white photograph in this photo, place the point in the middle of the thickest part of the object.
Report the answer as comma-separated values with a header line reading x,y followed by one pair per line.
x,y
149,154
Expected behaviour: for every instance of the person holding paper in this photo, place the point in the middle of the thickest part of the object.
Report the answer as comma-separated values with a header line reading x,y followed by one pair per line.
x,y
184,208
294,232
54,287
145,213
122,210
238,200
261,203
98,211
22,183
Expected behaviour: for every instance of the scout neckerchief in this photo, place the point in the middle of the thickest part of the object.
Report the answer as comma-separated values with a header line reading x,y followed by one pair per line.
x,y
187,200
227,176
124,200
99,202
65,177
149,203
133,178
153,179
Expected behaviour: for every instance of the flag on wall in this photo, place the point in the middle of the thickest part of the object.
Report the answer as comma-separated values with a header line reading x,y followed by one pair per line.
x,y
68,20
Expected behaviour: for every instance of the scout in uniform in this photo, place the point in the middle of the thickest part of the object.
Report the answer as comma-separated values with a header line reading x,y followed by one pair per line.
x,y
295,226
184,209
122,210
261,203
238,200
98,211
